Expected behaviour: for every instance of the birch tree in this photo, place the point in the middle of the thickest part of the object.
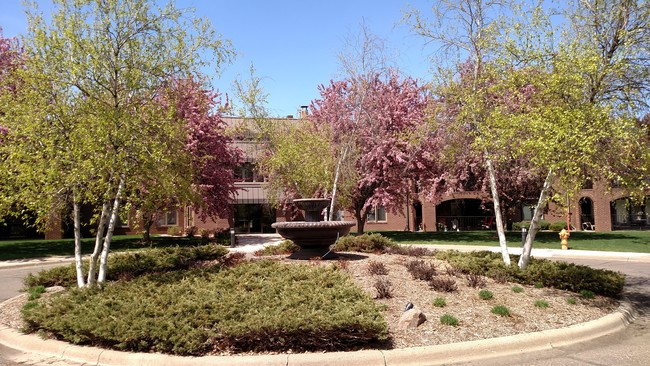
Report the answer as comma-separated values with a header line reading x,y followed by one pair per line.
x,y
106,61
467,29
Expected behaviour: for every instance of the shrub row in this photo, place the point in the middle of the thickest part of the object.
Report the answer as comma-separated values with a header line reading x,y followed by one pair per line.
x,y
366,243
259,306
560,275
543,225
126,265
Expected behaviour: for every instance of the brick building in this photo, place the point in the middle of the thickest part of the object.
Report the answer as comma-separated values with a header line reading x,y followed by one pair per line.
x,y
594,208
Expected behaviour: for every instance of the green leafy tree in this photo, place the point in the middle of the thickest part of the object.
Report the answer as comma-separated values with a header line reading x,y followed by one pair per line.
x,y
87,108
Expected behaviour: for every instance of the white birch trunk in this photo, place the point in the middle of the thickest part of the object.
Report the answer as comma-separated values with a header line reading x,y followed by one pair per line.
x,y
92,269
497,212
534,224
78,260
336,182
103,266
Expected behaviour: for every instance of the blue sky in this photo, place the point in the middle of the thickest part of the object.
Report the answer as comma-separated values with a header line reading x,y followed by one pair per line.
x,y
293,44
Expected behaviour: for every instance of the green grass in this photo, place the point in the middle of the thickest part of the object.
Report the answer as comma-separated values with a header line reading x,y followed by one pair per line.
x,y
38,248
618,241
615,241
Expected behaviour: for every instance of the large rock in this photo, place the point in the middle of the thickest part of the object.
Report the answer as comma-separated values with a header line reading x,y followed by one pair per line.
x,y
411,318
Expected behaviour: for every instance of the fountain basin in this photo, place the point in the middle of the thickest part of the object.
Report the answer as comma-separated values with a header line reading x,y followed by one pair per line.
x,y
313,238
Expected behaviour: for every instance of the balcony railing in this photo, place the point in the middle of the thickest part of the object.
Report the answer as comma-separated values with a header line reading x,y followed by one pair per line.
x,y
464,223
626,221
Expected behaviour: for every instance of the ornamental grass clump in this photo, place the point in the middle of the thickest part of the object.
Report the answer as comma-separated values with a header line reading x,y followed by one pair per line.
x,y
485,294
439,302
500,310
447,319
543,304
258,306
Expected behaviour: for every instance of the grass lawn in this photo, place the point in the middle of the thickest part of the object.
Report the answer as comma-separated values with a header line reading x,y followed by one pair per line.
x,y
615,241
23,249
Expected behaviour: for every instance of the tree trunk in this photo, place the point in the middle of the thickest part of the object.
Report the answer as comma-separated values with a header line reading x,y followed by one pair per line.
x,y
103,267
94,258
359,214
534,224
147,224
336,182
497,212
78,260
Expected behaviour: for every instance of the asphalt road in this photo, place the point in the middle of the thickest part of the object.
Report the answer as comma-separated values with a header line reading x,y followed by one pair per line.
x,y
11,278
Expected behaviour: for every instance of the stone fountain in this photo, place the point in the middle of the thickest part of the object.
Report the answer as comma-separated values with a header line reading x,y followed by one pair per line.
x,y
313,236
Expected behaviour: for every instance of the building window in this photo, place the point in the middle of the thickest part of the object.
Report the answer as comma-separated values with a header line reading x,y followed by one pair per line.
x,y
247,172
376,214
189,217
167,218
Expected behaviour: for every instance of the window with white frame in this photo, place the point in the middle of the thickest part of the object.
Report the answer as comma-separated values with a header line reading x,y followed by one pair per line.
x,y
376,214
168,218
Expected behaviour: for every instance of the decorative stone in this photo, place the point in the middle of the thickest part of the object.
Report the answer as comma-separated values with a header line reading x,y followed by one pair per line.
x,y
411,319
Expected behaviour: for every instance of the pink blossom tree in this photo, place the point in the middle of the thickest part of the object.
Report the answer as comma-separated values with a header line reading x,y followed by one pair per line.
x,y
201,174
374,122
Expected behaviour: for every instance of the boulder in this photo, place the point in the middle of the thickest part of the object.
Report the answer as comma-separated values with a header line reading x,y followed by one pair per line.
x,y
411,318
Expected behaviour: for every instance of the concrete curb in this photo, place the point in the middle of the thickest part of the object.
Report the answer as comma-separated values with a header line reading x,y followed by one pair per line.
x,y
429,355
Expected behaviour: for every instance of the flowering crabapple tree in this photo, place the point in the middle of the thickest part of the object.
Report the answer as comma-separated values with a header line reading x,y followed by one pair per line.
x,y
373,126
201,174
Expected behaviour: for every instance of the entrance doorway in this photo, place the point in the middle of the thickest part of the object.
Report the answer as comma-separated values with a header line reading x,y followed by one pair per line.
x,y
587,214
254,218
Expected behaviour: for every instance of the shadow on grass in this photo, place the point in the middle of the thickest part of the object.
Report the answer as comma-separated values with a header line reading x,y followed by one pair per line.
x,y
623,241
26,249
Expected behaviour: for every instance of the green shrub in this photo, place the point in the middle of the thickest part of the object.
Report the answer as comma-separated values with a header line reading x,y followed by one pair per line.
x,y
587,294
485,294
517,289
366,243
411,251
540,272
571,300
284,247
543,225
541,304
500,310
35,292
573,277
174,231
127,265
557,226
258,306
439,302
447,319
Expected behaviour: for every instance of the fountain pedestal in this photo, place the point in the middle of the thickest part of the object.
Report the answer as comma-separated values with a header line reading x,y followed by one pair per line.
x,y
314,237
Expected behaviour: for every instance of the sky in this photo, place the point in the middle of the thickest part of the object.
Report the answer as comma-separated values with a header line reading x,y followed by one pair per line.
x,y
293,44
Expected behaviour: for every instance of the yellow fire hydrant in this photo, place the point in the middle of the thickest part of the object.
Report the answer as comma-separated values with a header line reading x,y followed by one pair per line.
x,y
564,239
